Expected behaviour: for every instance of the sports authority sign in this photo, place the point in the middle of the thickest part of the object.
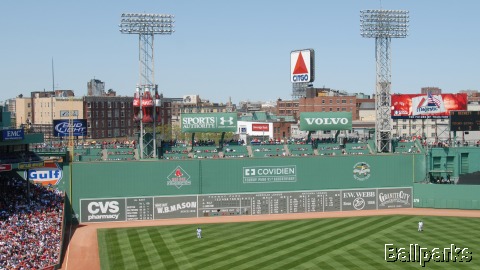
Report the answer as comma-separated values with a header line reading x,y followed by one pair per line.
x,y
302,66
270,174
209,122
312,121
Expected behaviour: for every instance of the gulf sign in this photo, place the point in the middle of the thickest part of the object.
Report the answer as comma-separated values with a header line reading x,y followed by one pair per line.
x,y
302,66
50,174
426,106
260,127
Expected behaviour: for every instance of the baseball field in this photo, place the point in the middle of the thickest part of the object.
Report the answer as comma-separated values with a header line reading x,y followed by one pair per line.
x,y
372,242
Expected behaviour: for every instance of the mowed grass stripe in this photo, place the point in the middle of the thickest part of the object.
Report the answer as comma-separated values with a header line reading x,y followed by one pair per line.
x,y
277,248
341,239
149,246
266,241
162,249
244,238
177,253
216,235
115,258
430,241
137,248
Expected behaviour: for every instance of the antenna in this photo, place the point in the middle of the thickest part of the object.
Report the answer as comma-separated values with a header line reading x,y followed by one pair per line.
x,y
53,77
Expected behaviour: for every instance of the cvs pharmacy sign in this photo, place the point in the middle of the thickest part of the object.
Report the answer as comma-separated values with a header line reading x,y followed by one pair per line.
x,y
101,210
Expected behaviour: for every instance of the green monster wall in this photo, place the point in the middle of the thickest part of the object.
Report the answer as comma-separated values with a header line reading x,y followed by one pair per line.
x,y
210,176
446,196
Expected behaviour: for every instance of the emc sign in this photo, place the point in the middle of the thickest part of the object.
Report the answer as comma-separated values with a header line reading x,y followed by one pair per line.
x,y
12,134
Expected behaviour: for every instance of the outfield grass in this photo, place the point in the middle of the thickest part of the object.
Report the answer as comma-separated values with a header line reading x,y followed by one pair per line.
x,y
336,243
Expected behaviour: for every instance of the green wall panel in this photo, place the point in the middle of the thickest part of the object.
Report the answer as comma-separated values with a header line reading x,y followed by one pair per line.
x,y
446,196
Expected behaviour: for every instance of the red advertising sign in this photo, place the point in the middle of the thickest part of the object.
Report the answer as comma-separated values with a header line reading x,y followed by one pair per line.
x,y
5,167
260,127
427,106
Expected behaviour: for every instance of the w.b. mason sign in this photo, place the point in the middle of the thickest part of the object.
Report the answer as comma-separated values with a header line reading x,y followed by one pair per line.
x,y
312,121
209,122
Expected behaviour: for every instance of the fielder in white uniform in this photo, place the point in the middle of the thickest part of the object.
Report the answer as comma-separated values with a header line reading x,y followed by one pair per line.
x,y
420,226
199,233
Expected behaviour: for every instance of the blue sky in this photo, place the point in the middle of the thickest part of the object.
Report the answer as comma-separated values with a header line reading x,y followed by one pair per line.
x,y
237,49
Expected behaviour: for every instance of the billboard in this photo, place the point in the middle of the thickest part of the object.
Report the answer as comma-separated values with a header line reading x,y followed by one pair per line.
x,y
464,120
427,106
260,127
62,128
302,66
264,203
12,134
209,122
312,121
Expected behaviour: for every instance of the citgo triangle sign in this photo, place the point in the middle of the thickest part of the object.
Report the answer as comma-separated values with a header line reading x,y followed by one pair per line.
x,y
302,68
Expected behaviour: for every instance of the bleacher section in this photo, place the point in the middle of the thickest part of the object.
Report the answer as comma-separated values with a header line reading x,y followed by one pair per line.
x,y
205,152
88,153
407,147
297,150
268,150
357,149
175,152
235,151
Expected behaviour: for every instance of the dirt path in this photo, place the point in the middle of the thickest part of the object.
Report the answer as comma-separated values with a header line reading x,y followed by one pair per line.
x,y
82,252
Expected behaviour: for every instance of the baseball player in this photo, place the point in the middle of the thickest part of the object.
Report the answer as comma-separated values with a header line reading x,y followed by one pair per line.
x,y
420,226
199,232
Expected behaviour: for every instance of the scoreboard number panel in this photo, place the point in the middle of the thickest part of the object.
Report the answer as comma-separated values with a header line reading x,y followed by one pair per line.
x,y
464,120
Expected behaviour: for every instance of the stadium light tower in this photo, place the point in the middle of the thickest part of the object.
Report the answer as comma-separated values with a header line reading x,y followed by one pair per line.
x,y
146,26
383,25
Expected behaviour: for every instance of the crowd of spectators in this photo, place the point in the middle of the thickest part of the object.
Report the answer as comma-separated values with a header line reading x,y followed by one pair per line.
x,y
30,224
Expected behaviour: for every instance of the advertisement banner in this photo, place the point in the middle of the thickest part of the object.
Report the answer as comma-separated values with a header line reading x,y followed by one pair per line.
x,y
260,127
313,121
394,198
209,122
360,199
12,134
62,128
175,207
302,66
102,210
426,106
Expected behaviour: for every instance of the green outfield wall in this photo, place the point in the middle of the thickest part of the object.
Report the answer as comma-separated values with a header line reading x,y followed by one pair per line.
x,y
446,196
214,176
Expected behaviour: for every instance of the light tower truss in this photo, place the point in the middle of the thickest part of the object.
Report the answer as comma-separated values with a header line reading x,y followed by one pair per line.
x,y
383,25
146,26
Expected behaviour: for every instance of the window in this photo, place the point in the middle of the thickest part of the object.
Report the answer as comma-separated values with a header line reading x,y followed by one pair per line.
x,y
122,123
394,127
89,105
323,101
28,105
338,109
331,101
109,114
344,109
331,109
109,123
122,113
414,126
344,101
109,105
404,126
89,114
